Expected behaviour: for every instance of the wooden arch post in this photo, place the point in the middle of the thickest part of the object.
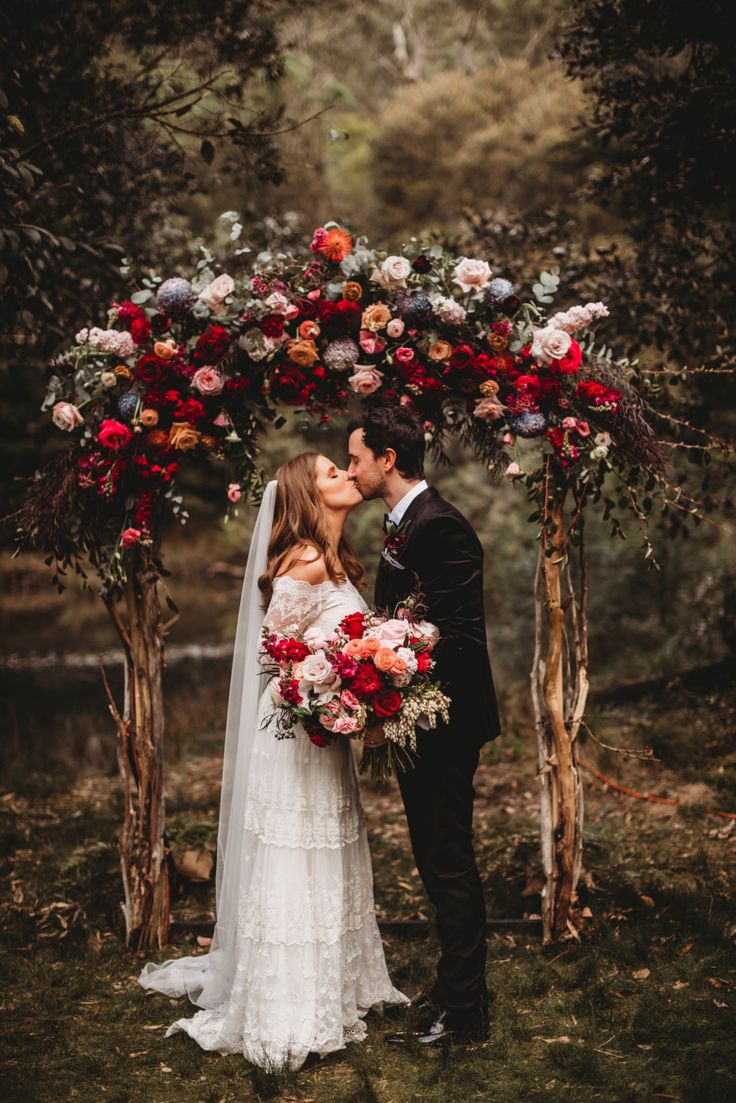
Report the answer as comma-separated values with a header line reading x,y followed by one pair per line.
x,y
559,687
140,728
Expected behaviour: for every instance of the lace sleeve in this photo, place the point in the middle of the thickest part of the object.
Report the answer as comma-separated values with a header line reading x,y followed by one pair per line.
x,y
294,605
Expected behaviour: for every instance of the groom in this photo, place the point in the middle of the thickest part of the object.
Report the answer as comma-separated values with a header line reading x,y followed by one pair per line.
x,y
430,546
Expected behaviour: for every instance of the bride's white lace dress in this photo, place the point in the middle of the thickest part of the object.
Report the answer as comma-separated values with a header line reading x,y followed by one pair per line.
x,y
310,962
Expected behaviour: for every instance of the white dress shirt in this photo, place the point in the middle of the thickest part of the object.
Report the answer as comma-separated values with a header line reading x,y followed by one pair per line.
x,y
403,504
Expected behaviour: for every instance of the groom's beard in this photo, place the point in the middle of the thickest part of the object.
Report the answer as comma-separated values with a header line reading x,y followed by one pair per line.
x,y
369,495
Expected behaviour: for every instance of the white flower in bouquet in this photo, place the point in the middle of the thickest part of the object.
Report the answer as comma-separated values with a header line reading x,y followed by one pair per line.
x,y
214,294
550,343
392,633
319,674
409,658
392,272
427,631
450,311
470,275
315,637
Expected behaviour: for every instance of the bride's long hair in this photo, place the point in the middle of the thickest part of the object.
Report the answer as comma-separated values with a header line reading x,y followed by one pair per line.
x,y
299,519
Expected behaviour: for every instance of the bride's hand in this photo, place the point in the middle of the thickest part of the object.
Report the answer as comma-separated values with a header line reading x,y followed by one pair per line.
x,y
374,736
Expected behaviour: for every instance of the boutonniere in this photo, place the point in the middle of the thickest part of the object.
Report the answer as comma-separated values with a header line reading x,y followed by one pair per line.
x,y
394,541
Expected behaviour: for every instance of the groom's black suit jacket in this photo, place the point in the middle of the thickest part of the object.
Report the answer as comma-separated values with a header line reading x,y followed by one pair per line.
x,y
443,557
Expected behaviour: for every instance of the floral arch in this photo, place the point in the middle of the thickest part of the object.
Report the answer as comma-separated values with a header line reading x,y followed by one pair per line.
x,y
186,370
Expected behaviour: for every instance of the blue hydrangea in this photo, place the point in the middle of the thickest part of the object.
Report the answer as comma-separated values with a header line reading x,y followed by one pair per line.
x,y
126,405
415,309
175,296
499,291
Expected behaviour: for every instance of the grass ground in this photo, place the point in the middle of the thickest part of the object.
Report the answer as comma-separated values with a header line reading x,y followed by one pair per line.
x,y
641,1008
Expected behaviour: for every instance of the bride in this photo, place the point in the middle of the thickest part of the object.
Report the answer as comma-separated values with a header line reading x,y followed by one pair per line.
x,y
296,960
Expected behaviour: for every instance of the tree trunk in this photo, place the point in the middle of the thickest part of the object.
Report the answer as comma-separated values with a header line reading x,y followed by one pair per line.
x,y
143,860
559,684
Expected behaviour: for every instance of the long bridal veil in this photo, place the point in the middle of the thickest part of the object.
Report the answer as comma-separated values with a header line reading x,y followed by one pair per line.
x,y
207,979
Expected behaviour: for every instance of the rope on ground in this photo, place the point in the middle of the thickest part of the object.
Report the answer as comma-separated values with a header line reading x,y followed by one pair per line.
x,y
645,796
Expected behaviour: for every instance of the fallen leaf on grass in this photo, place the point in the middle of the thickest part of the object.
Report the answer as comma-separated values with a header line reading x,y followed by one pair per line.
x,y
641,974
647,901
563,1038
721,982
202,940
681,984
139,1053
154,1026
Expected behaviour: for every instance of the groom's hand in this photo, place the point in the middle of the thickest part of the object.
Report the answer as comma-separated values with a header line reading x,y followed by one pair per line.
x,y
374,736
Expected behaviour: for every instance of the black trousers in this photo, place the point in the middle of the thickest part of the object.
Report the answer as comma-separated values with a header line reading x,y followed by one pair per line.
x,y
438,798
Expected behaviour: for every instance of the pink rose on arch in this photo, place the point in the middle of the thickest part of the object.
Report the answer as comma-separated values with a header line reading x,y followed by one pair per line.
x,y
406,400
314,295
395,327
371,342
130,538
66,416
349,700
569,422
404,354
207,380
366,380
233,492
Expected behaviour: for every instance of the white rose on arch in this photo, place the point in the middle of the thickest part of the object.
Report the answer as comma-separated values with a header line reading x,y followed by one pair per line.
x,y
392,272
214,294
470,275
550,343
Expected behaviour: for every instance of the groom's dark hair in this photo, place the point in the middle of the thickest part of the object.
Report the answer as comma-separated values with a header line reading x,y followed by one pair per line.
x,y
394,427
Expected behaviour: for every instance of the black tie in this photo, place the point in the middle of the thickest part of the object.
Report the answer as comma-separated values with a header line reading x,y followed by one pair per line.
x,y
386,523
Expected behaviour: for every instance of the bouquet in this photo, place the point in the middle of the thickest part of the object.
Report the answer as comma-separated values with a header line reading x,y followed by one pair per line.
x,y
372,669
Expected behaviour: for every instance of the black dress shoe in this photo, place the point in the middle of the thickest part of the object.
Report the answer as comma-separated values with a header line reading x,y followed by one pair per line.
x,y
437,1025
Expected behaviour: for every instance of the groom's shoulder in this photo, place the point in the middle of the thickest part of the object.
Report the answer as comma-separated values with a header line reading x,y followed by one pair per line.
x,y
437,507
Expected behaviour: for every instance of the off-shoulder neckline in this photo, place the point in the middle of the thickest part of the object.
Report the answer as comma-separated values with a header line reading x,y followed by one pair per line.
x,y
304,582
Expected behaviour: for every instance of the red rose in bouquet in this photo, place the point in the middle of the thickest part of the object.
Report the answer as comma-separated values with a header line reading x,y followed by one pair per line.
x,y
353,625
295,650
386,703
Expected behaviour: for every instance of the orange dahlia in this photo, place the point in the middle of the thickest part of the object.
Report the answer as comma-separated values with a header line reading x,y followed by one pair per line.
x,y
336,245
